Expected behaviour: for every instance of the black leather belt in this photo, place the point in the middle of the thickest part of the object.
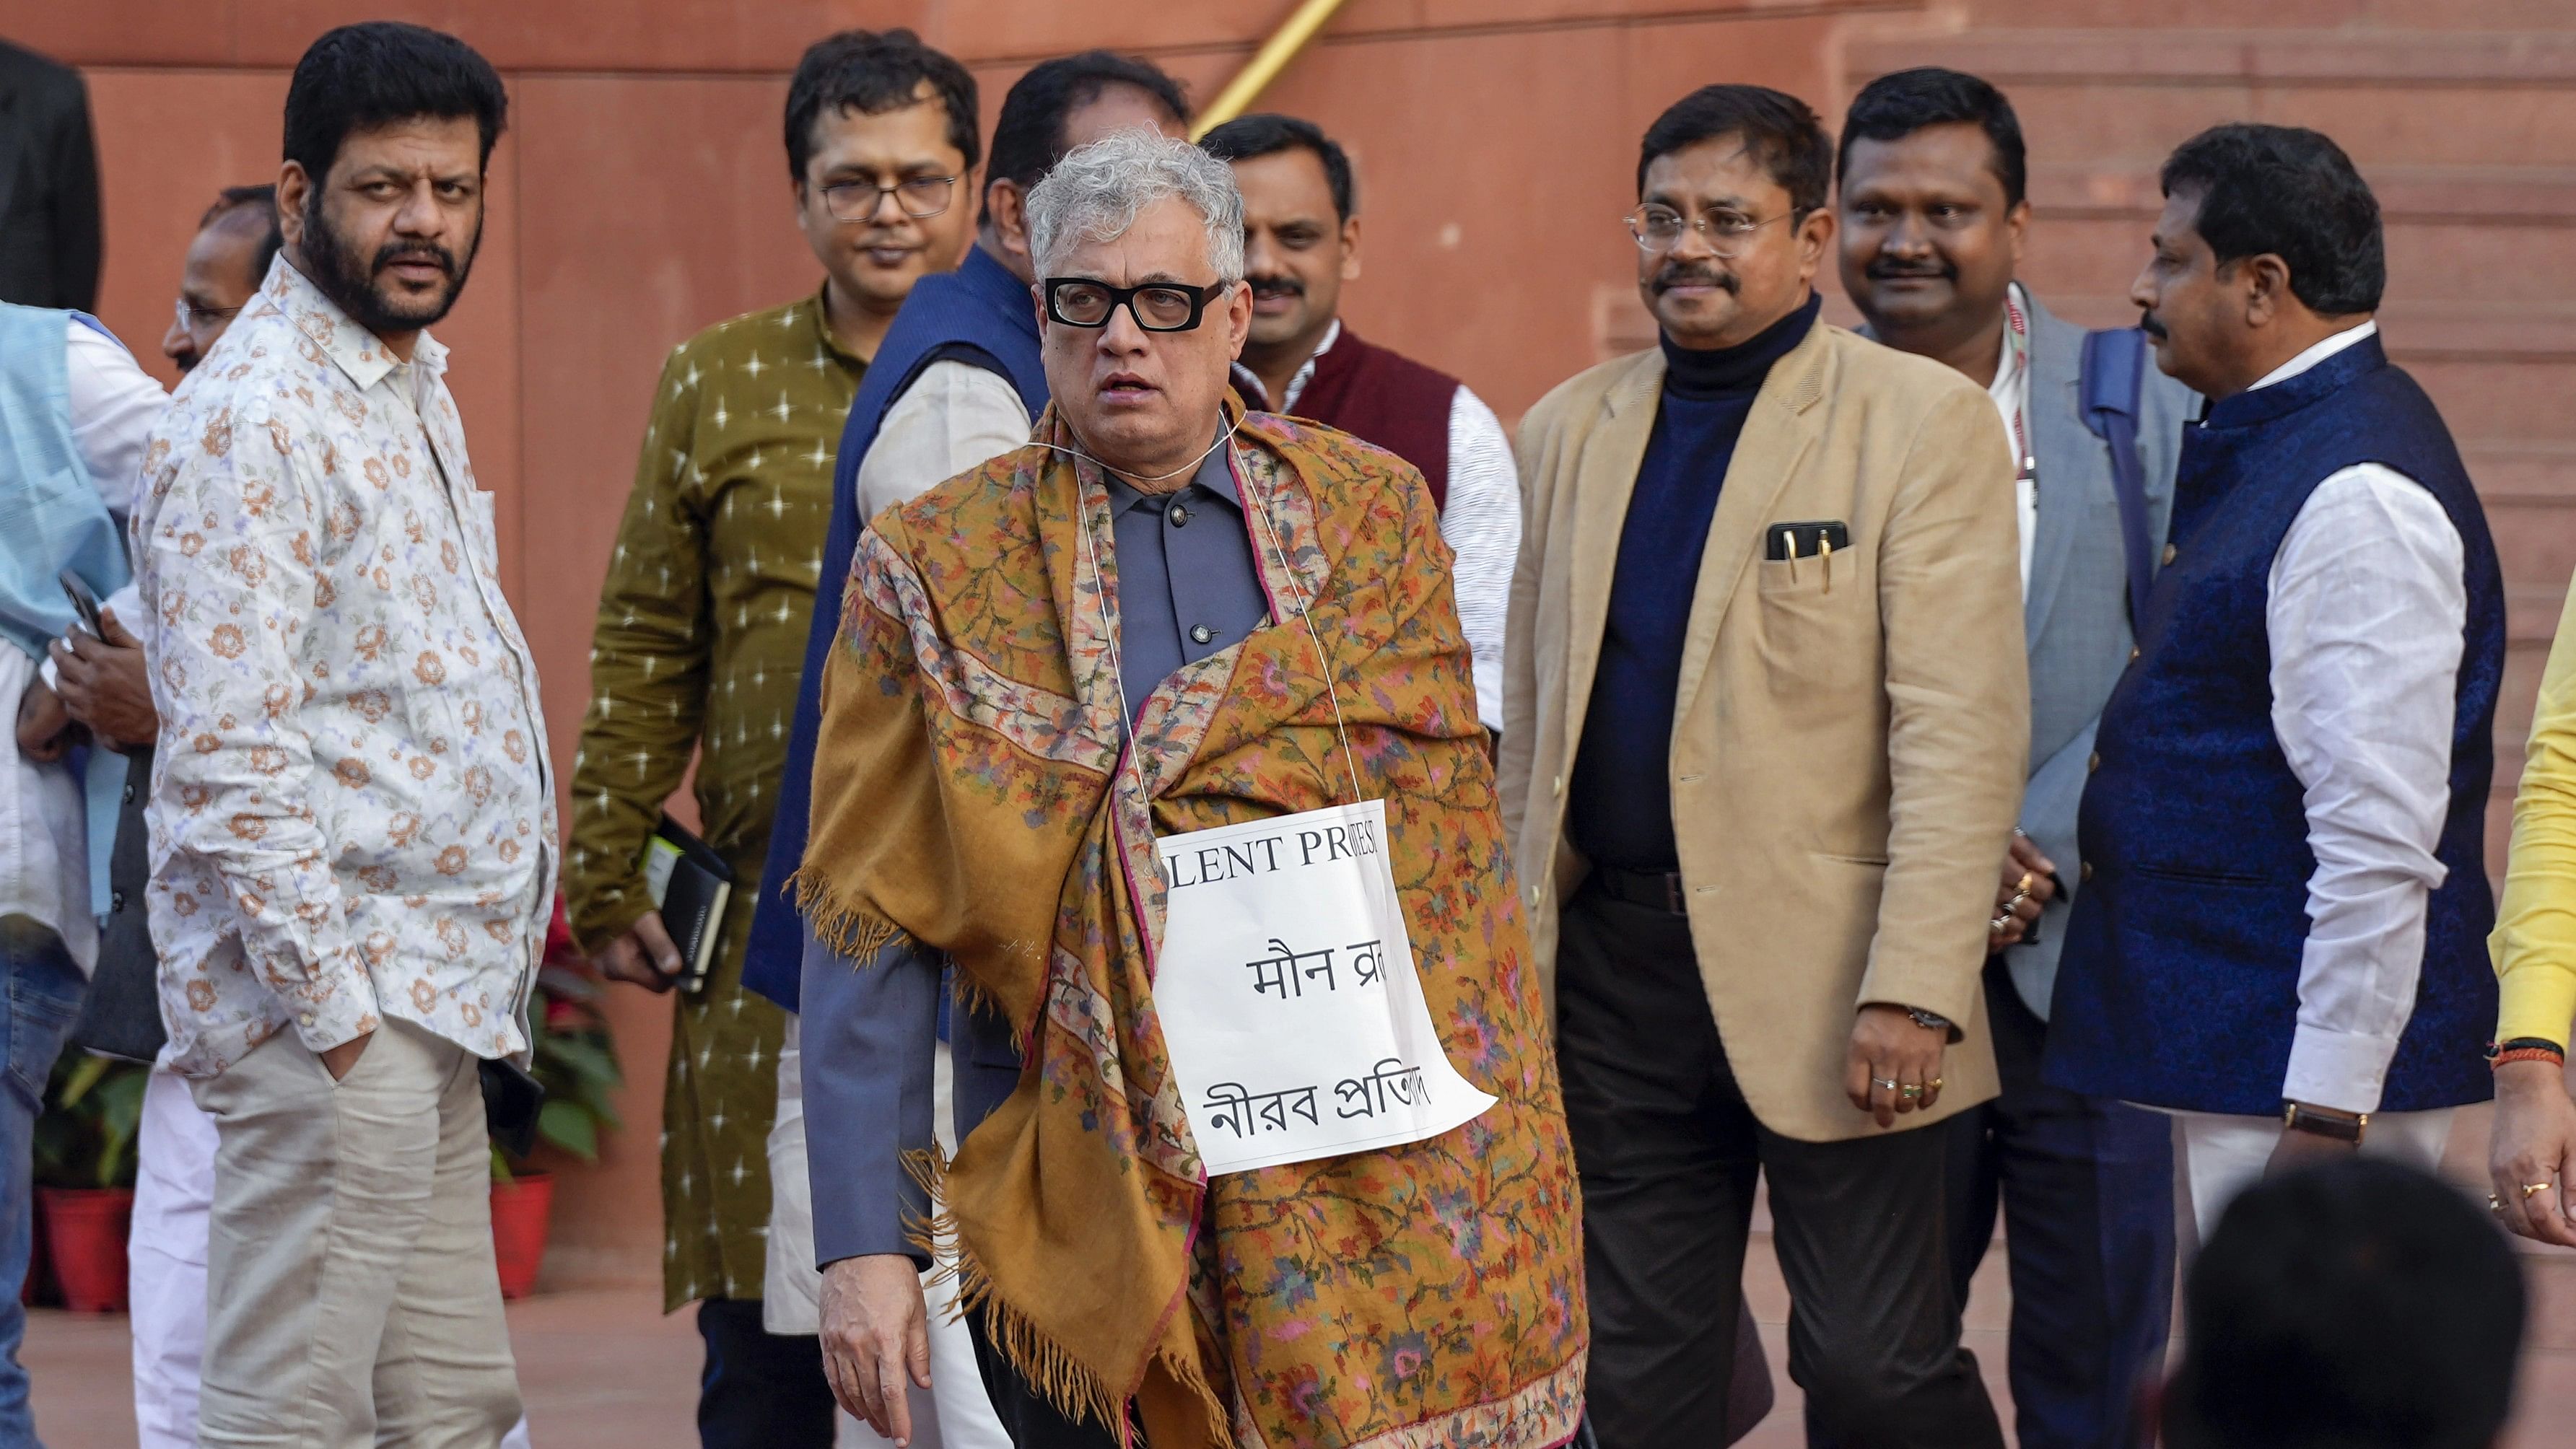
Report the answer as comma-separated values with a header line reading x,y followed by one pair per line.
x,y
1659,890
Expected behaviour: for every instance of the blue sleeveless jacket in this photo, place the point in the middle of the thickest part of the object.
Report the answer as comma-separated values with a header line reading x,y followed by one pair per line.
x,y
979,313
2179,986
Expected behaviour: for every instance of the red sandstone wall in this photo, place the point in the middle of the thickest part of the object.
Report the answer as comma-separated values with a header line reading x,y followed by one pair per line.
x,y
640,195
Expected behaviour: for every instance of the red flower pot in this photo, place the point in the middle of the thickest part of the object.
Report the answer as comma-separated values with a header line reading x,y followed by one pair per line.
x,y
85,1239
520,1211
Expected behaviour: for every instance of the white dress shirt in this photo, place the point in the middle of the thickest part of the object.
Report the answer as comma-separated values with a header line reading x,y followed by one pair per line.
x,y
1480,520
954,417
44,836
2367,614
2011,394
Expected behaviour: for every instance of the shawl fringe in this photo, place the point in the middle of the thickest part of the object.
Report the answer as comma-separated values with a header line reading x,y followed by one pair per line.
x,y
1038,1359
849,929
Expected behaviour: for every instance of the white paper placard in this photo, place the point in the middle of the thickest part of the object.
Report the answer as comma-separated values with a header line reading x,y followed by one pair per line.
x,y
1288,996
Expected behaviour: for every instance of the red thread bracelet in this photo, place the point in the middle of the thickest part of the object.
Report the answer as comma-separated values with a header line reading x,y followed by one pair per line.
x,y
2531,1054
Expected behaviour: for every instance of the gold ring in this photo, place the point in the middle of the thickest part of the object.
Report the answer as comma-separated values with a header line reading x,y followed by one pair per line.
x,y
1909,1093
1933,1085
2027,881
2529,1189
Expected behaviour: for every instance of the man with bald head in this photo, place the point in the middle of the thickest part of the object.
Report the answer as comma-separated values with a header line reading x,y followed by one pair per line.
x,y
1160,616
236,240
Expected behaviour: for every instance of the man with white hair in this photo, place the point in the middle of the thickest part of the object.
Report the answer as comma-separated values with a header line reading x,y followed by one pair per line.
x,y
1164,616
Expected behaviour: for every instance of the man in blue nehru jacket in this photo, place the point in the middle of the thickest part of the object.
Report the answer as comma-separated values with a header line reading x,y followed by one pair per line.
x,y
957,381
2280,919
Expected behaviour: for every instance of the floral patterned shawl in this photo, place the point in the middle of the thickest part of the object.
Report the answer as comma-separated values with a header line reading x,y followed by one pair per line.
x,y
1424,1295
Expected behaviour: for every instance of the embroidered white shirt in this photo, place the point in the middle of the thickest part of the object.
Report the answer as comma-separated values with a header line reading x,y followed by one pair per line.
x,y
352,813
2367,611
2011,393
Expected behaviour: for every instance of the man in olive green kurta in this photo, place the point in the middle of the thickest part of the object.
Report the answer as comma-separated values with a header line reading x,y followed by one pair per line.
x,y
700,643
699,647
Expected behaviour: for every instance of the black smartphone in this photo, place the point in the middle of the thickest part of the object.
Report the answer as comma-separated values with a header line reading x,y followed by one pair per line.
x,y
511,1100
84,603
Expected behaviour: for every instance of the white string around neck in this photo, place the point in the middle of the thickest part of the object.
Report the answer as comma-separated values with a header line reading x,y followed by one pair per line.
x,y
1258,509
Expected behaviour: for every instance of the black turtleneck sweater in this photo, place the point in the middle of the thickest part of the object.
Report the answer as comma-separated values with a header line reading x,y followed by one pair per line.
x,y
1620,813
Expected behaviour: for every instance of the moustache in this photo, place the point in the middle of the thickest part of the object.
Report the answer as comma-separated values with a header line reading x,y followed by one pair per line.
x,y
430,252
1679,274
1276,287
2151,325
1885,271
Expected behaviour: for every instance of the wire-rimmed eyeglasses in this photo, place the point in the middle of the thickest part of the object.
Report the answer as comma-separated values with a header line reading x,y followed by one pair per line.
x,y
919,197
1660,228
191,316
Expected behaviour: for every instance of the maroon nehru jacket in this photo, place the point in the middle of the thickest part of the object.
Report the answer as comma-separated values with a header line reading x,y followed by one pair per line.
x,y
1378,397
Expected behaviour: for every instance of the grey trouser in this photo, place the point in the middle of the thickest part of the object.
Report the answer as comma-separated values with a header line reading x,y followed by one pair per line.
x,y
351,1298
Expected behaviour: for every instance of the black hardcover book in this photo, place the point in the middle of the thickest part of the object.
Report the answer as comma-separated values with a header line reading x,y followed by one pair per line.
x,y
690,885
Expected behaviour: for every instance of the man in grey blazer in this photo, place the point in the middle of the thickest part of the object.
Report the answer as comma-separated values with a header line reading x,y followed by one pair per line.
x,y
1933,224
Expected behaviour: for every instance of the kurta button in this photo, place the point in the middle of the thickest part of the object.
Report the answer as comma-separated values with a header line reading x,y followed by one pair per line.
x,y
1179,514
2170,551
116,901
305,1017
1560,784
2085,872
1201,633
2093,762
129,792
2133,656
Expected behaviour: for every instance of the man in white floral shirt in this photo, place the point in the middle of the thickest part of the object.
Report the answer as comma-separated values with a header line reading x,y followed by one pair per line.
x,y
353,829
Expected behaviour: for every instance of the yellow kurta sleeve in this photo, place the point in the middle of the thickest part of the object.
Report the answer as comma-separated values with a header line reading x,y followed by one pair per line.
x,y
2534,944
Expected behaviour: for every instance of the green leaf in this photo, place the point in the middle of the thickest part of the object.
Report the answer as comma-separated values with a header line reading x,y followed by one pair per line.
x,y
569,1127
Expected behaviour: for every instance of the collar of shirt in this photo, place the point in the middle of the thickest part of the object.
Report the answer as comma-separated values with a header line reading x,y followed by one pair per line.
x,y
2011,387
1215,474
1306,369
358,353
2349,337
821,322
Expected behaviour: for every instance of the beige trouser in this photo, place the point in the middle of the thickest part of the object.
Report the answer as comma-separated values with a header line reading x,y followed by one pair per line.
x,y
351,1298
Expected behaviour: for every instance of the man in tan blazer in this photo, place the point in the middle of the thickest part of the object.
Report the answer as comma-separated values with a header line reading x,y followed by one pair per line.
x,y
1766,711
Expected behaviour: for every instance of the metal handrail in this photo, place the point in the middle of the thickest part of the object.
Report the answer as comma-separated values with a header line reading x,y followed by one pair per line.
x,y
1265,65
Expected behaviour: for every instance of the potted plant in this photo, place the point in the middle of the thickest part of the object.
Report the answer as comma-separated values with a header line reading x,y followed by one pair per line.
x,y
84,1175
576,1062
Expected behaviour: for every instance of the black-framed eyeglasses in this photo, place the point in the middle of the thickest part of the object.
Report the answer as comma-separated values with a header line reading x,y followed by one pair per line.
x,y
1156,306
1660,228
920,197
191,316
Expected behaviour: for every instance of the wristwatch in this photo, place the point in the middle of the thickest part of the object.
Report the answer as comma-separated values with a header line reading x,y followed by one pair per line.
x,y
2326,1122
1929,1020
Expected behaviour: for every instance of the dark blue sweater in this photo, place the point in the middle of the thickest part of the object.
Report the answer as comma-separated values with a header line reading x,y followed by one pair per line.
x,y
1620,813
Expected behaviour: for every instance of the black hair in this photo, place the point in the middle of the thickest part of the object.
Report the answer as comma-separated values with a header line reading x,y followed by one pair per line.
x,y
874,72
1028,137
1780,130
240,198
2359,1305
1897,105
2293,193
1267,133
381,72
